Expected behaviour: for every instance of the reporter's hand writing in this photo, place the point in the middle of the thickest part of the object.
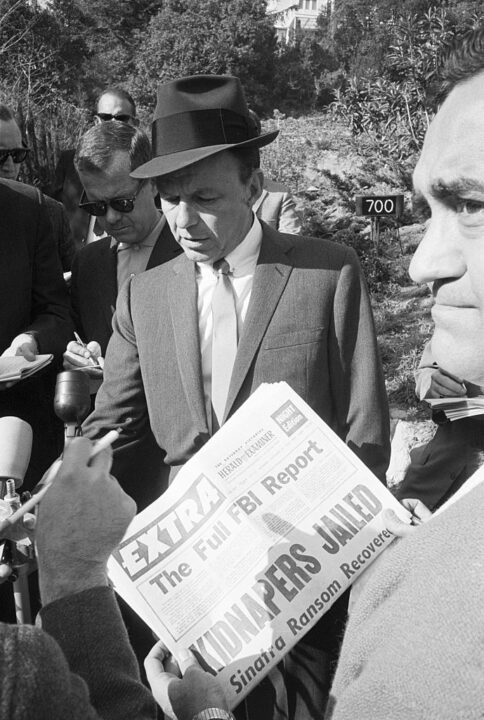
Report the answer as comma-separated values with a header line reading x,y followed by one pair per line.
x,y
443,384
182,698
81,519
88,359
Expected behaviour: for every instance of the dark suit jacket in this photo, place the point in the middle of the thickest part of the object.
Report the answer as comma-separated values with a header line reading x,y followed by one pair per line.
x,y
309,323
93,292
34,299
439,467
94,287
277,208
67,189
33,295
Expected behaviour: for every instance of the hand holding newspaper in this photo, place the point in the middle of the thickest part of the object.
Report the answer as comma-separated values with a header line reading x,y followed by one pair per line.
x,y
260,533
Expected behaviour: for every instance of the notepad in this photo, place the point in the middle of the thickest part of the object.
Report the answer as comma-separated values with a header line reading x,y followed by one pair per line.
x,y
16,367
456,408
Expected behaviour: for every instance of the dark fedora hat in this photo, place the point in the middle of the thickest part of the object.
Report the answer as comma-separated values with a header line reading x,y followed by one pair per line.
x,y
196,117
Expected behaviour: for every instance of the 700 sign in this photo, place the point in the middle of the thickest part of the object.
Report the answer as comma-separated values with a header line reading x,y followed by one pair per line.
x,y
379,205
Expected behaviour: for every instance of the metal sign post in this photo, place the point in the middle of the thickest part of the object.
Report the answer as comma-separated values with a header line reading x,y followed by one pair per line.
x,y
376,207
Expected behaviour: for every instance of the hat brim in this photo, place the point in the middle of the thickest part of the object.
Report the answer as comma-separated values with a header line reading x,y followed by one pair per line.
x,y
165,164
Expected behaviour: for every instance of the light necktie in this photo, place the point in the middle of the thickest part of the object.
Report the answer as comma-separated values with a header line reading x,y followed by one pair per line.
x,y
224,337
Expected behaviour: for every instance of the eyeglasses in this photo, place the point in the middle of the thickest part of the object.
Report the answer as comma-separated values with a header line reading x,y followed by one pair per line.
x,y
105,117
18,155
99,208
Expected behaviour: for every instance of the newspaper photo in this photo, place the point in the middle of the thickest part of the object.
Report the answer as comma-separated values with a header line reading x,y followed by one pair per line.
x,y
256,538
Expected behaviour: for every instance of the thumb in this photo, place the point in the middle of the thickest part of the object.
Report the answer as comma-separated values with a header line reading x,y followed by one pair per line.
x,y
94,348
186,660
26,351
394,525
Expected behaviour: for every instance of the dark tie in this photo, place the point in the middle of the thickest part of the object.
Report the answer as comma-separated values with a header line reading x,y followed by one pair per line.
x,y
224,337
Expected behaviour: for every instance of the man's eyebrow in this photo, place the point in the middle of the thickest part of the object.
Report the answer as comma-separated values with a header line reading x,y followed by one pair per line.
x,y
455,188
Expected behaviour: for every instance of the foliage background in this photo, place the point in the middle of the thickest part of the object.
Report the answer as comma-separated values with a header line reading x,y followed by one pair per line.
x,y
370,61
352,100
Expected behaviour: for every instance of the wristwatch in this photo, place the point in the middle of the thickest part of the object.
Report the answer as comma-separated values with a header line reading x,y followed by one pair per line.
x,y
214,714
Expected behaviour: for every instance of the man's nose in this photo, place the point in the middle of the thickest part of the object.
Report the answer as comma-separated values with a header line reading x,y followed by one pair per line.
x,y
112,216
185,216
8,166
439,255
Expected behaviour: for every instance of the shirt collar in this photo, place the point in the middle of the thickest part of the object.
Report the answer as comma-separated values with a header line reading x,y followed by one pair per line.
x,y
149,240
243,258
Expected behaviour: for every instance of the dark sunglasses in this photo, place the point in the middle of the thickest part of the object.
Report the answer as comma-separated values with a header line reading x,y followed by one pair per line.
x,y
18,155
105,117
98,208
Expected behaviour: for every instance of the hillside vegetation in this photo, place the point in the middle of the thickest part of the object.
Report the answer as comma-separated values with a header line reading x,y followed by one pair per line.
x,y
319,159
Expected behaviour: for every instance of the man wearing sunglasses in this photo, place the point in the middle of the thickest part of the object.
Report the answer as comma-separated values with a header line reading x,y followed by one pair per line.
x,y
13,152
137,238
34,305
114,103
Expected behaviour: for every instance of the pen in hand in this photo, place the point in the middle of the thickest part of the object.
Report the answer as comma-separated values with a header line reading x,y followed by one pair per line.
x,y
98,446
95,361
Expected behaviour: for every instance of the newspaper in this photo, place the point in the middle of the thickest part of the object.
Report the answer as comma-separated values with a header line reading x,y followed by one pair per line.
x,y
259,534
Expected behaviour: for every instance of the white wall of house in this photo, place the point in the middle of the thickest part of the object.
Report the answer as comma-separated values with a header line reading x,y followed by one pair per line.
x,y
293,16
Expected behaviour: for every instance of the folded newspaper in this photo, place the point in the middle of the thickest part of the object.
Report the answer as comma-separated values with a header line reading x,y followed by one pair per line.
x,y
456,408
259,534
16,367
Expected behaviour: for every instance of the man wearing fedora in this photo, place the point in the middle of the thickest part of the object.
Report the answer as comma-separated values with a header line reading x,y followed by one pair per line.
x,y
244,304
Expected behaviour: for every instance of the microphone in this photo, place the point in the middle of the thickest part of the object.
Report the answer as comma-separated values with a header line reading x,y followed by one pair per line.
x,y
72,400
15,449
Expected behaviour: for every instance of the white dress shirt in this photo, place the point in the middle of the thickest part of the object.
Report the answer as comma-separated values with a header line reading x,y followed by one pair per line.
x,y
242,261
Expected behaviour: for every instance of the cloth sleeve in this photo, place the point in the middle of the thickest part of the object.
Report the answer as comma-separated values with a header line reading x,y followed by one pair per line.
x,y
356,371
89,629
289,220
51,324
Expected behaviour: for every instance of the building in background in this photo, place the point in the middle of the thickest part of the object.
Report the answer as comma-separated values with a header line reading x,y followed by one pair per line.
x,y
294,17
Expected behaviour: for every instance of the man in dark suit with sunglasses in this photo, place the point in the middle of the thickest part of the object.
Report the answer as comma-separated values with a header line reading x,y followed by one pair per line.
x,y
114,103
13,152
137,238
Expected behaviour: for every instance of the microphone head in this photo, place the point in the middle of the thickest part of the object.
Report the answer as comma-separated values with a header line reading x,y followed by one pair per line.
x,y
72,400
15,448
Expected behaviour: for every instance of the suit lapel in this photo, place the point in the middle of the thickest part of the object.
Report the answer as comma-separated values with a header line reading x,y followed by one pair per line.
x,y
108,285
271,275
182,293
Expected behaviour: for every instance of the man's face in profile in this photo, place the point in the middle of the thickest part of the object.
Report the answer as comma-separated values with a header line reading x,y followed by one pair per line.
x,y
449,177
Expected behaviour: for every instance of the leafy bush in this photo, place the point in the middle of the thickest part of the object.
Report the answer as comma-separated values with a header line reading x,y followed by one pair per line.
x,y
391,110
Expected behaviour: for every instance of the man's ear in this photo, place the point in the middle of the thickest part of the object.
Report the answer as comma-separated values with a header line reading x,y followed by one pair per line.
x,y
256,184
154,189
